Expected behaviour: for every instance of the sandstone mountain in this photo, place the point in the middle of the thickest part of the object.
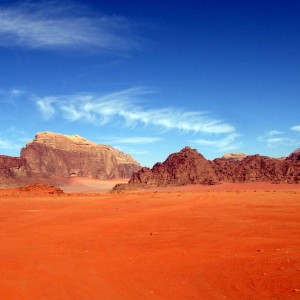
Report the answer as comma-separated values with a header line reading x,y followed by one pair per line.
x,y
52,154
186,166
257,168
190,167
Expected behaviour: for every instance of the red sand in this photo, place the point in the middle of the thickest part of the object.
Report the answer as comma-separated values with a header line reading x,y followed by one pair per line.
x,y
90,185
223,242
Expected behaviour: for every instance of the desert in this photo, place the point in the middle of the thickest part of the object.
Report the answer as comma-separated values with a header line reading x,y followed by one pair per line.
x,y
226,241
189,228
149,150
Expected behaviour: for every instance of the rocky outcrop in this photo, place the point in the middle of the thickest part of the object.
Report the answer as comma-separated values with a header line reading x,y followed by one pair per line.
x,y
256,168
184,167
40,189
190,167
294,155
63,155
57,155
12,167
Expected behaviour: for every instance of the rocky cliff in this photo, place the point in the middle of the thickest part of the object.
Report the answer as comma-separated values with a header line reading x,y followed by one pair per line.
x,y
185,167
257,168
12,167
52,154
190,167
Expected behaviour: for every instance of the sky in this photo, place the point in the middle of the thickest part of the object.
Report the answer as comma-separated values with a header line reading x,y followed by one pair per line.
x,y
150,77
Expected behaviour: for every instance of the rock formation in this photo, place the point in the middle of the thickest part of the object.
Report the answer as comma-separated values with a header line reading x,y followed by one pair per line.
x,y
52,154
294,155
257,168
184,167
190,167
12,167
234,156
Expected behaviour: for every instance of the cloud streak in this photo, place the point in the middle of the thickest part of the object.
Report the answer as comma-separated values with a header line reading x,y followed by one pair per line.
x,y
136,140
296,128
227,143
51,25
126,106
275,138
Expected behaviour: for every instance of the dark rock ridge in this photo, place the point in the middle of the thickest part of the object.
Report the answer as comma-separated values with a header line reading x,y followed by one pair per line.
x,y
181,168
52,154
256,168
190,167
184,167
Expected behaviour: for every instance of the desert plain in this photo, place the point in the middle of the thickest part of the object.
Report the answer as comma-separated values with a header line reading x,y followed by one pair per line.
x,y
227,241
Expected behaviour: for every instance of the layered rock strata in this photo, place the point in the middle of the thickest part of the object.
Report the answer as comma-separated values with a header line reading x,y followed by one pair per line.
x,y
57,155
62,155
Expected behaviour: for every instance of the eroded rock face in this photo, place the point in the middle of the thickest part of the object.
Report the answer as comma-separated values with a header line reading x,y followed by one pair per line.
x,y
257,168
63,155
12,167
189,167
184,167
52,154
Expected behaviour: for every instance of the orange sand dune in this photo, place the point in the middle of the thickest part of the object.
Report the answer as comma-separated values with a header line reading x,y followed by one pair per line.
x,y
231,242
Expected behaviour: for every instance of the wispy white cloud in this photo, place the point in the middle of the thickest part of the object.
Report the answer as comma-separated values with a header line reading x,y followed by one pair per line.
x,y
10,95
275,138
274,133
135,140
296,128
227,143
46,108
7,144
127,106
52,24
12,139
138,152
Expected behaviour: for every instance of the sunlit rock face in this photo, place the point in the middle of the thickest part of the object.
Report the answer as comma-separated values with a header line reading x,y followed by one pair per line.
x,y
234,156
63,155
51,156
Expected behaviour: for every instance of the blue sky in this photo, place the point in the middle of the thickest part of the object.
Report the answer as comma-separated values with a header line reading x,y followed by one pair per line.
x,y
150,77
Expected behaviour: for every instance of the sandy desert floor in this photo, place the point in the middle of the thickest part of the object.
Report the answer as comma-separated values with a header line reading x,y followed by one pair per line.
x,y
231,241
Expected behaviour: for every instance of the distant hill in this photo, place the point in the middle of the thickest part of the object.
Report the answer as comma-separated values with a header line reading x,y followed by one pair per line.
x,y
190,167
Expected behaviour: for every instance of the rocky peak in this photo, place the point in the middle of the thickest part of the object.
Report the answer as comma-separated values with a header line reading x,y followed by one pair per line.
x,y
56,140
184,167
295,155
